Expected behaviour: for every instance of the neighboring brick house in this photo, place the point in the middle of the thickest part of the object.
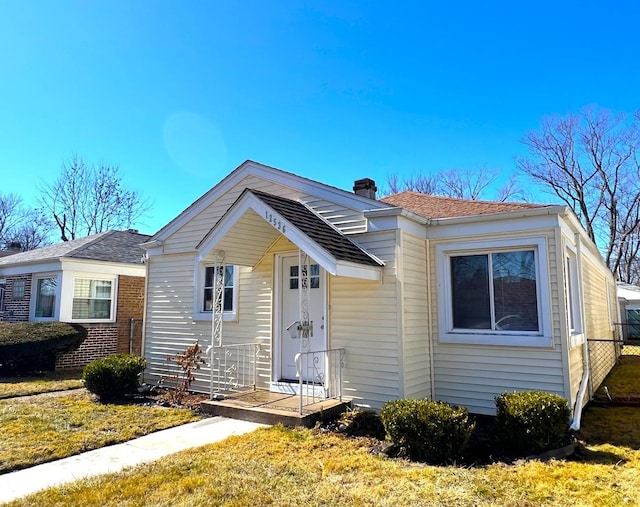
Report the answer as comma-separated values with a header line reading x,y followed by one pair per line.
x,y
97,281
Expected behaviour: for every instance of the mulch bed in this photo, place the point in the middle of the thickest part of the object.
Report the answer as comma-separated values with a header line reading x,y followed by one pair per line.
x,y
484,447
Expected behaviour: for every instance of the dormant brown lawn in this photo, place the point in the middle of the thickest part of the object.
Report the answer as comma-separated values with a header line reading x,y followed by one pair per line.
x,y
45,383
42,428
283,467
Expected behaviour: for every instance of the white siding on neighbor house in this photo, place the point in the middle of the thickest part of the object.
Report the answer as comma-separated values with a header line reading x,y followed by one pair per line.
x,y
472,375
364,320
416,348
188,236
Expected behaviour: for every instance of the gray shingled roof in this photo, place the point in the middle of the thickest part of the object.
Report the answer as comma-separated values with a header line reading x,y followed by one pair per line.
x,y
319,231
110,246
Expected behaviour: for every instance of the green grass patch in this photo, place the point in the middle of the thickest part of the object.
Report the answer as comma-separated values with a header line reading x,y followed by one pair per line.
x,y
46,383
624,379
45,428
283,467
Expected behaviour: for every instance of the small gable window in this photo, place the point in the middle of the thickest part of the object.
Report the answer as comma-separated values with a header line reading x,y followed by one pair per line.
x,y
229,285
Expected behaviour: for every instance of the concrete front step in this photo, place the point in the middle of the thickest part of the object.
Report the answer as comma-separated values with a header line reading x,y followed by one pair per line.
x,y
266,407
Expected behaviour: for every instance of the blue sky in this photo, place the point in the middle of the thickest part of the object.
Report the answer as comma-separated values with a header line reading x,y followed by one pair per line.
x,y
180,93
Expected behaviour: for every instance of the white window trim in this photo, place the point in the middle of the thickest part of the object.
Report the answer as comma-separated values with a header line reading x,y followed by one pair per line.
x,y
198,296
573,296
34,296
114,297
448,334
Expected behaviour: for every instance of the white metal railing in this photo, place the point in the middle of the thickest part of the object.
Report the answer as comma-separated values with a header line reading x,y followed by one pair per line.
x,y
320,374
234,367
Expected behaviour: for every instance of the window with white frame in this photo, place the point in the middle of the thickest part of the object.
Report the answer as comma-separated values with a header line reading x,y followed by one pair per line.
x,y
574,303
45,297
92,299
230,292
494,293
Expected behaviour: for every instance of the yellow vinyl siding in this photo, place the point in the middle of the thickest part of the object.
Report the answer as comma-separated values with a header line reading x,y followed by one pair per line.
x,y
598,323
576,367
472,375
416,367
364,320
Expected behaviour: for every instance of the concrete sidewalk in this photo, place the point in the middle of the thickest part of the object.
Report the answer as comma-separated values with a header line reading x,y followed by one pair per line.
x,y
114,458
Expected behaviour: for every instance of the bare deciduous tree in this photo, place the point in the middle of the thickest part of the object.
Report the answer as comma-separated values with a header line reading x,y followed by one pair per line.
x,y
457,183
21,228
589,161
85,200
10,215
33,232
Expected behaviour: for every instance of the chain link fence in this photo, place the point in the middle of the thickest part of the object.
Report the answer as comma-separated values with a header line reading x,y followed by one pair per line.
x,y
615,369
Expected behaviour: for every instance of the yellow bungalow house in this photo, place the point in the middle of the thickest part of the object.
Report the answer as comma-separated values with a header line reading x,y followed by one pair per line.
x,y
297,285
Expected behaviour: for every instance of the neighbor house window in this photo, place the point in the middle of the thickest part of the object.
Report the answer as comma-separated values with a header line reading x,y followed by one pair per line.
x,y
45,300
92,299
229,288
494,293
17,290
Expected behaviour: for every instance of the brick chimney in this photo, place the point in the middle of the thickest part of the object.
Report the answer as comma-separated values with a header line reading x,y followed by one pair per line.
x,y
365,187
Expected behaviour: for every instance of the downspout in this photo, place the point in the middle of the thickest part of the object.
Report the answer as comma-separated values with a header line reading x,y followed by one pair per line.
x,y
586,367
432,374
131,324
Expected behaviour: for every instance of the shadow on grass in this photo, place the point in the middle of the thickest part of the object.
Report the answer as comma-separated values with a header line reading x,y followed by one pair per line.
x,y
598,457
614,425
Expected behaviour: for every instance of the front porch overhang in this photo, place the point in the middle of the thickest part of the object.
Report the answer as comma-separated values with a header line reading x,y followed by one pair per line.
x,y
256,220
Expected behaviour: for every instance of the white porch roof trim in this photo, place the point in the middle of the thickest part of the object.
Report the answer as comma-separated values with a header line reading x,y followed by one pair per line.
x,y
250,226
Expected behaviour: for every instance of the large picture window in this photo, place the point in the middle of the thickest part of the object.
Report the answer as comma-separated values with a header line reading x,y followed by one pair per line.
x,y
92,299
494,292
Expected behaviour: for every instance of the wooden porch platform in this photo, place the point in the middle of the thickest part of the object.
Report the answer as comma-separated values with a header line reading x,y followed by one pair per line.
x,y
272,408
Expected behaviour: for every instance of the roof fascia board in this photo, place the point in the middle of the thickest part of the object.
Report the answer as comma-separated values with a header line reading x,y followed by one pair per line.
x,y
396,211
505,215
250,168
31,267
353,270
398,218
513,225
106,267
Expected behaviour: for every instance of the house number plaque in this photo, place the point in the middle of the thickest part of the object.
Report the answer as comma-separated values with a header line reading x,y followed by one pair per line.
x,y
275,220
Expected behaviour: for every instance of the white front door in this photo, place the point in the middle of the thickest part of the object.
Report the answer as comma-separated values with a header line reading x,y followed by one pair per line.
x,y
289,313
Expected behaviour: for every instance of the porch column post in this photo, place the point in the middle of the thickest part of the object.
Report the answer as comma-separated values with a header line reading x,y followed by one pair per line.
x,y
303,294
218,298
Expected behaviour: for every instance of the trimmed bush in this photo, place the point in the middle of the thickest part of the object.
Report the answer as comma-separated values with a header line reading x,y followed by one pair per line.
x,y
34,346
430,431
114,376
532,421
